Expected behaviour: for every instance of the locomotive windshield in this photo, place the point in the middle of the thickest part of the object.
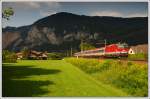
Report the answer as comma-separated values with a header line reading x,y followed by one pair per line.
x,y
123,45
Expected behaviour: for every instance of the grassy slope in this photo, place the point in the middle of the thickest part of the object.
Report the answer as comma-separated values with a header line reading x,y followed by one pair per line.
x,y
51,78
128,76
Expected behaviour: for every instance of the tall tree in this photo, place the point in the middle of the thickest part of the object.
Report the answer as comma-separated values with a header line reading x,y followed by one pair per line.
x,y
25,52
7,12
86,46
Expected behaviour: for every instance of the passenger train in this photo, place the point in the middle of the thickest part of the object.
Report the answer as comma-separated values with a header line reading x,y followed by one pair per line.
x,y
112,50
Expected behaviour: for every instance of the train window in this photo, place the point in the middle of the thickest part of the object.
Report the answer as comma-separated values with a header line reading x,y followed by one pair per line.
x,y
95,51
101,50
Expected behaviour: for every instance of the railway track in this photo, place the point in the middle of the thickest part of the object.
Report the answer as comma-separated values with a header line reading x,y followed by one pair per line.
x,y
138,61
133,60
125,59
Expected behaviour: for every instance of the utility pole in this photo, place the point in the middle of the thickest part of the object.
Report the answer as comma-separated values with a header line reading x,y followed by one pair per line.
x,y
105,45
105,42
67,53
82,40
81,45
71,51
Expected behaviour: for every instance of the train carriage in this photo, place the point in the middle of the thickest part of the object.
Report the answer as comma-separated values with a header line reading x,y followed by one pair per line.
x,y
113,50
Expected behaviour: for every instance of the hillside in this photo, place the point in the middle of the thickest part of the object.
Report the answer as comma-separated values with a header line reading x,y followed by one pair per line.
x,y
60,31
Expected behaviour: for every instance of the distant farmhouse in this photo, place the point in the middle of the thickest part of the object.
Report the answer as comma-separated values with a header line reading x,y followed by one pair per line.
x,y
131,51
19,55
33,55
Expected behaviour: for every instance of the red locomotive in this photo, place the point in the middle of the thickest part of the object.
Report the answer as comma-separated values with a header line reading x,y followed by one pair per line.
x,y
113,50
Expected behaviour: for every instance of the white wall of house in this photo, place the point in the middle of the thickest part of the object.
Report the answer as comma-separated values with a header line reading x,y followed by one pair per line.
x,y
131,51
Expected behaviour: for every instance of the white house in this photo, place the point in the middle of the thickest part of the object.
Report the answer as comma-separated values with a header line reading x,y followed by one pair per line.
x,y
131,51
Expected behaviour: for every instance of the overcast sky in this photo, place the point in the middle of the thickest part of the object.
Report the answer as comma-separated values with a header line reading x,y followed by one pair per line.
x,y
28,12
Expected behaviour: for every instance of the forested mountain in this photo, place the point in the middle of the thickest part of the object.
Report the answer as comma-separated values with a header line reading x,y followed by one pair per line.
x,y
61,31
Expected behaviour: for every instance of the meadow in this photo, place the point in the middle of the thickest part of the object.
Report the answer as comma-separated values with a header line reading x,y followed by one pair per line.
x,y
131,77
28,78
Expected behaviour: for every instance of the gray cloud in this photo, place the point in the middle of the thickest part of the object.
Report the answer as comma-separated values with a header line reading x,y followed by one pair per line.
x,y
106,13
117,14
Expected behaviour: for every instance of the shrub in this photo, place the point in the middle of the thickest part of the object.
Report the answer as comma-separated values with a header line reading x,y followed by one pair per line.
x,y
8,57
139,56
105,65
129,63
133,80
55,56
25,52
87,65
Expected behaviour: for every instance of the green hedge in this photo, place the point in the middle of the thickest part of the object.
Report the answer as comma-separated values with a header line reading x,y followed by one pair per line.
x,y
140,56
8,57
55,56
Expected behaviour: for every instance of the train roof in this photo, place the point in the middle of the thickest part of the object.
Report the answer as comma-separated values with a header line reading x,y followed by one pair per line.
x,y
91,50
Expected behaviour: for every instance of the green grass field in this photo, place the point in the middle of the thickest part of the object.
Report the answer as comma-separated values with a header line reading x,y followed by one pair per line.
x,y
51,78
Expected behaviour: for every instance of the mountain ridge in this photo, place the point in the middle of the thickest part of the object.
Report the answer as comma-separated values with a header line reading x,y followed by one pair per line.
x,y
62,30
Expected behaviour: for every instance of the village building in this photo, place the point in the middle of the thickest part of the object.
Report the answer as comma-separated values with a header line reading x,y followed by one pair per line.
x,y
37,55
33,55
131,51
19,55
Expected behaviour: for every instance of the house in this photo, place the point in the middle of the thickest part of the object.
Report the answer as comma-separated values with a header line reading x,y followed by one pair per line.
x,y
33,55
131,51
19,55
37,55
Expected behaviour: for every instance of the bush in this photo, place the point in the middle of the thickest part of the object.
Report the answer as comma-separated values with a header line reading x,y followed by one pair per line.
x,y
87,65
129,63
25,52
140,56
130,77
133,80
105,65
55,56
8,57
90,65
